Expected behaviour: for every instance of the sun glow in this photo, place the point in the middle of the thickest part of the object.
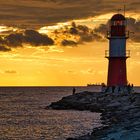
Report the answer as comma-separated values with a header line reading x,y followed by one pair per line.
x,y
49,29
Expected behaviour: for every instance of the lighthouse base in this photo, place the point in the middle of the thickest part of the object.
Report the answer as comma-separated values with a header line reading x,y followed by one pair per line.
x,y
117,72
118,89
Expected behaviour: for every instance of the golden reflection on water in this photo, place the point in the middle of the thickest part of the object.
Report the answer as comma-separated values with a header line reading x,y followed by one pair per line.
x,y
22,115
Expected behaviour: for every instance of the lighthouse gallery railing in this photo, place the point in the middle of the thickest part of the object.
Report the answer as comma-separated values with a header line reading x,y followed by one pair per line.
x,y
108,35
127,54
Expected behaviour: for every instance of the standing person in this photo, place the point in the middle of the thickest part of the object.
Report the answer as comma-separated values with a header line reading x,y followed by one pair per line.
x,y
132,88
73,91
129,88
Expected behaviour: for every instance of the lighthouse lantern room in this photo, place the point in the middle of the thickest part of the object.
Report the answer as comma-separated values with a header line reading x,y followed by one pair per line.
x,y
117,54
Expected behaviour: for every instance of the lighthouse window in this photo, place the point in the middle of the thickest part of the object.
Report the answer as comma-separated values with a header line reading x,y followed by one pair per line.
x,y
118,23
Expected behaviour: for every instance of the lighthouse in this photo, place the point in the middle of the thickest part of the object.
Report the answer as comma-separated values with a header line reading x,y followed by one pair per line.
x,y
117,53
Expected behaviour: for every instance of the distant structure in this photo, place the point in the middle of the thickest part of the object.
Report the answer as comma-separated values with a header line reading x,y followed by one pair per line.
x,y
117,54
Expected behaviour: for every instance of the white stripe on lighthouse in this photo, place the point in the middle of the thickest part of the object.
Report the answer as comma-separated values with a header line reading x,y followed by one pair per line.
x,y
117,47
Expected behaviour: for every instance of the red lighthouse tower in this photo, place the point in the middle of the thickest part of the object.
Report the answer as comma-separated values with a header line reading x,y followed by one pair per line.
x,y
117,54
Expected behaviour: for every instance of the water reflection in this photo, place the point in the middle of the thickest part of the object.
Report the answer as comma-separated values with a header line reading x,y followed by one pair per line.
x,y
22,115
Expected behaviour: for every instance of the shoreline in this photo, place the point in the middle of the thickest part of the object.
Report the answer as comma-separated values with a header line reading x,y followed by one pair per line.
x,y
120,113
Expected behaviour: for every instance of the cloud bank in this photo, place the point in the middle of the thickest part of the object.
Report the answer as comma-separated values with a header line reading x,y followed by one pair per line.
x,y
36,13
75,34
69,35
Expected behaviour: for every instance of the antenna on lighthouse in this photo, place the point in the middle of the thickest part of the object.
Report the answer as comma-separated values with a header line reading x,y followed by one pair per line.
x,y
124,8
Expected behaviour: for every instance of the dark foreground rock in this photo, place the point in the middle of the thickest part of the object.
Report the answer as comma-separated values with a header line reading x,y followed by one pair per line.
x,y
120,114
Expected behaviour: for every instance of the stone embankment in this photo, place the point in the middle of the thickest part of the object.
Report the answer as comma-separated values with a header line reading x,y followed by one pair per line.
x,y
120,114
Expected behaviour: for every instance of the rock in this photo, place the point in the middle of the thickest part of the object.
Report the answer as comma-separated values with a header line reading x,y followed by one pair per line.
x,y
114,104
71,139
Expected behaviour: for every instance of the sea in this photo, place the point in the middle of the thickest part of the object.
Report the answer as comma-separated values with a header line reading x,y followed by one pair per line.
x,y
23,115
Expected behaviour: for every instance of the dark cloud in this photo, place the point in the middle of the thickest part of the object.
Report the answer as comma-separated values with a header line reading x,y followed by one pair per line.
x,y
10,72
45,12
83,28
91,37
86,38
31,37
73,31
80,33
36,39
134,28
85,33
101,29
14,40
4,48
68,43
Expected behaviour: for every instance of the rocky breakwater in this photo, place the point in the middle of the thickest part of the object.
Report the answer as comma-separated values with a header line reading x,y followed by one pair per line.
x,y
120,114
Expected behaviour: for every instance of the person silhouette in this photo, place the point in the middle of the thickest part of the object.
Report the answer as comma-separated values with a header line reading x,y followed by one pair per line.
x,y
73,91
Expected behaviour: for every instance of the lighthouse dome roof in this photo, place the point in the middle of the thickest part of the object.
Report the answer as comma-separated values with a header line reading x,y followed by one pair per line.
x,y
118,17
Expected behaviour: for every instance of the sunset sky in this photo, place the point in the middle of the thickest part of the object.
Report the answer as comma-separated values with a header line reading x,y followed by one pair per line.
x,y
62,42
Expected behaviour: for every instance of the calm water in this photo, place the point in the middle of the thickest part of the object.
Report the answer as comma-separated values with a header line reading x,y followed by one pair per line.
x,y
23,117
